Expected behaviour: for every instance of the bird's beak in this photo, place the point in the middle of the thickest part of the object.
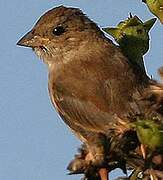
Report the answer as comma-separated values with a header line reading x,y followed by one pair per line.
x,y
31,40
27,40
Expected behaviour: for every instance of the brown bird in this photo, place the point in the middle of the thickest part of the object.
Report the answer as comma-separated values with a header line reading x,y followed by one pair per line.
x,y
92,85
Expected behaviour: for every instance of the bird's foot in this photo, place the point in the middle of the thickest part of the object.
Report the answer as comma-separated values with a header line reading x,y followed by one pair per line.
x,y
92,159
98,153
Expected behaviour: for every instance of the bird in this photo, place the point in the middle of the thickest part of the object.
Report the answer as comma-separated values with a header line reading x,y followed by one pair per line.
x,y
132,35
156,8
92,85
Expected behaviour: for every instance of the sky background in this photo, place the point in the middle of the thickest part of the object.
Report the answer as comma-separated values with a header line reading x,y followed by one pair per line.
x,y
34,143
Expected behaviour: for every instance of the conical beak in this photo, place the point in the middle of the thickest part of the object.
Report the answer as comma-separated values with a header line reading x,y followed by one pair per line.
x,y
27,40
31,39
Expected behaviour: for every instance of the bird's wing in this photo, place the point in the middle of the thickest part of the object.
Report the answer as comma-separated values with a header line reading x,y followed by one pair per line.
x,y
85,114
95,112
94,115
92,96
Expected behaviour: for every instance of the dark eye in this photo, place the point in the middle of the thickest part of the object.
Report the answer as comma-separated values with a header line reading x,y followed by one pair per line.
x,y
58,30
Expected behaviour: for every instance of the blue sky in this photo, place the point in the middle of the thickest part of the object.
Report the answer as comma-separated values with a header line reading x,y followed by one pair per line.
x,y
34,143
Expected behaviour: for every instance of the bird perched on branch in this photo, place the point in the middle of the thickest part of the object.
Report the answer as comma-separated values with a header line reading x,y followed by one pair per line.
x,y
132,35
92,85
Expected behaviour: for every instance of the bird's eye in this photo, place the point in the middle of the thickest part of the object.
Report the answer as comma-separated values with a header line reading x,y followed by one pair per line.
x,y
58,30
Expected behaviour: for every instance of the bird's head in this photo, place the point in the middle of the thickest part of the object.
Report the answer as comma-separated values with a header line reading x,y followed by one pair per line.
x,y
59,31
